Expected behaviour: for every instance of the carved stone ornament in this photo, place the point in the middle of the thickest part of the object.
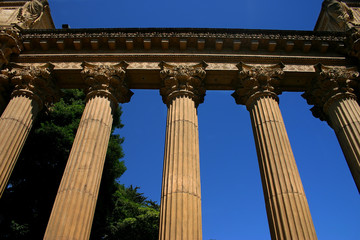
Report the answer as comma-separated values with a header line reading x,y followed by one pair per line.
x,y
353,42
31,12
256,81
34,82
339,14
330,85
180,80
107,80
9,43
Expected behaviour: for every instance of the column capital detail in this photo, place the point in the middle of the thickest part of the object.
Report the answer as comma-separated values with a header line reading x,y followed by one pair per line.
x,y
35,82
107,81
181,80
256,81
330,84
10,43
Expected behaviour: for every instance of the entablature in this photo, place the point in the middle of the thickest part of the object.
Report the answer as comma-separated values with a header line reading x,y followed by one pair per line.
x,y
221,49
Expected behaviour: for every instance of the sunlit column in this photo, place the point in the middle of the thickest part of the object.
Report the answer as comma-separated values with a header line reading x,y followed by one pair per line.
x,y
286,204
332,95
74,207
180,214
34,86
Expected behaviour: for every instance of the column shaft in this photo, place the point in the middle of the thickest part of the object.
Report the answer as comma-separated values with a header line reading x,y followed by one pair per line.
x,y
15,125
344,117
180,214
74,207
287,208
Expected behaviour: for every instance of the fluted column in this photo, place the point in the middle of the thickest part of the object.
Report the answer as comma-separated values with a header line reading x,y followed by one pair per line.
x,y
286,204
180,212
34,86
73,211
332,95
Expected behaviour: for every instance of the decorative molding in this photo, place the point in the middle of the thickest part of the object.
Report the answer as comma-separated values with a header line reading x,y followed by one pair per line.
x,y
106,80
331,84
184,33
353,42
155,66
31,12
10,43
340,16
130,40
35,82
182,80
257,81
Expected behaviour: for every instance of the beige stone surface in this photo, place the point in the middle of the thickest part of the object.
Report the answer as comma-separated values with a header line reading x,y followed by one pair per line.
x,y
74,207
15,124
287,208
34,14
332,95
344,116
33,87
180,211
286,204
10,43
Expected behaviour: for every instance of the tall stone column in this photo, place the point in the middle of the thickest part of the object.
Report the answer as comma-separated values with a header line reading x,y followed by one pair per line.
x,y
332,95
180,213
73,211
34,86
286,204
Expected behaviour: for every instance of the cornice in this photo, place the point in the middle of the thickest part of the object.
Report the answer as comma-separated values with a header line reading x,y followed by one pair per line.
x,y
180,32
182,40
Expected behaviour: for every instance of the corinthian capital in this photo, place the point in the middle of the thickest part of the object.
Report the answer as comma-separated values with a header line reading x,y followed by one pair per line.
x,y
330,84
180,80
257,81
35,82
107,80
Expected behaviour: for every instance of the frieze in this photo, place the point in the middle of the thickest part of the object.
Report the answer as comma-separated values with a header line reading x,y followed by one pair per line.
x,y
155,66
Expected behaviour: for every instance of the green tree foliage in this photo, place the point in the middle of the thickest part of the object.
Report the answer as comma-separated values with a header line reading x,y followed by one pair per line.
x,y
133,216
26,204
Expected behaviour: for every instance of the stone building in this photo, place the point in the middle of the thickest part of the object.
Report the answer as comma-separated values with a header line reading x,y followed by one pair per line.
x,y
38,60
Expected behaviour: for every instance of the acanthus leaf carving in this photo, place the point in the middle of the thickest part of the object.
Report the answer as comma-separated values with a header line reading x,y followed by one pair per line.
x,y
35,82
180,80
107,80
330,84
256,81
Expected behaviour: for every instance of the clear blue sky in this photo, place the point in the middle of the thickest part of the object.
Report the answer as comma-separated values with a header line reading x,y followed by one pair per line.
x,y
232,199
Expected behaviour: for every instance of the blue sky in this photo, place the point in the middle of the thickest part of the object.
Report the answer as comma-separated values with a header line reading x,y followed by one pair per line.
x,y
232,198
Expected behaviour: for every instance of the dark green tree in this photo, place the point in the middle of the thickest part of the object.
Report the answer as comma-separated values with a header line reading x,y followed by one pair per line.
x,y
26,204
